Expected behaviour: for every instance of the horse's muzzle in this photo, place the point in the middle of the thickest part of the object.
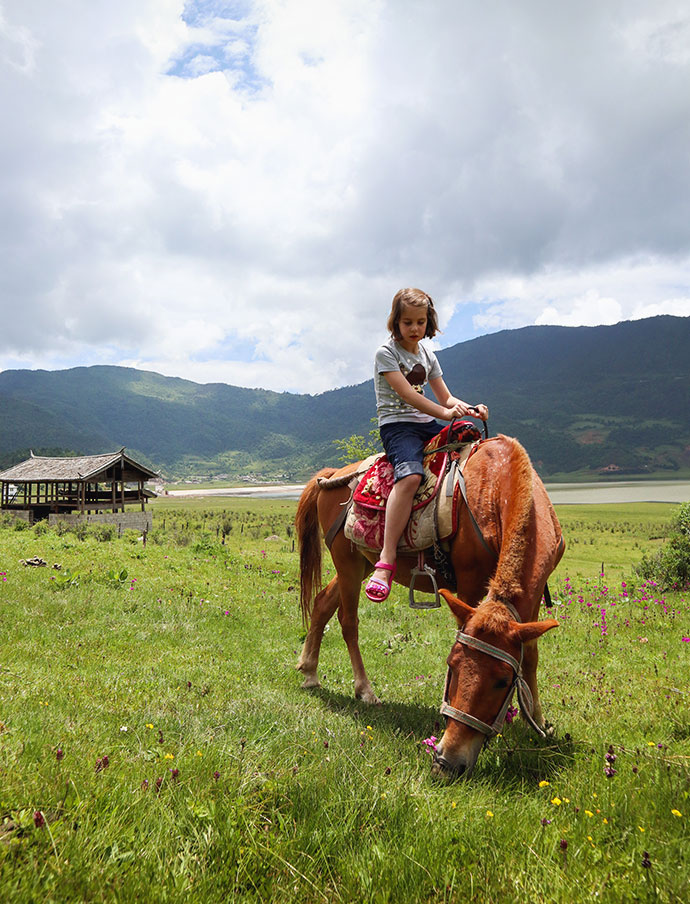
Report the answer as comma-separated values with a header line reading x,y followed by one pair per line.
x,y
441,768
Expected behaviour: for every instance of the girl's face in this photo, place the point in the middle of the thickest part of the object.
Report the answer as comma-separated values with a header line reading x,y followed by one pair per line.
x,y
412,326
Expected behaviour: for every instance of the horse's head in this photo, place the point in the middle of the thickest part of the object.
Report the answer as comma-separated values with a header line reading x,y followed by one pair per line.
x,y
483,669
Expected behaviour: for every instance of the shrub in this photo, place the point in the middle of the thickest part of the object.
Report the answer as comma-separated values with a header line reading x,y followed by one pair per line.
x,y
104,532
207,544
81,530
670,566
131,536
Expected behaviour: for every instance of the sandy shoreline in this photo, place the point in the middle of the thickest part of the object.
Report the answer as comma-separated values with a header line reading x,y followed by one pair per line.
x,y
560,493
286,490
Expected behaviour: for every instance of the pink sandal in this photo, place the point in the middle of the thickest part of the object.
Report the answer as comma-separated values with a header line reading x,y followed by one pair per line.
x,y
376,590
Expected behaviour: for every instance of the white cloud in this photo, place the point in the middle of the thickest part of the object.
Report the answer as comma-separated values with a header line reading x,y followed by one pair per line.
x,y
234,191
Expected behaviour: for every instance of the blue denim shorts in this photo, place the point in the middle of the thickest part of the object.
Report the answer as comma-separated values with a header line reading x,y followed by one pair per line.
x,y
404,443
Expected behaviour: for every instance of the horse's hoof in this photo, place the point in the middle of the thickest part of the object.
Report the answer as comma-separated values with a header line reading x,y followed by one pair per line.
x,y
369,697
311,681
549,729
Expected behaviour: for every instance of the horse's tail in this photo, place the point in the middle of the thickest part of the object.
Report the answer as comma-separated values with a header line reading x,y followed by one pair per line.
x,y
515,522
309,538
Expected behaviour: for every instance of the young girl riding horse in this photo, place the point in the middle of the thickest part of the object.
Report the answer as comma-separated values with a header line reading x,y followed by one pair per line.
x,y
406,417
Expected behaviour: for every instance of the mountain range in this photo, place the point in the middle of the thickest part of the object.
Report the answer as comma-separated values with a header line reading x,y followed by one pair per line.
x,y
584,401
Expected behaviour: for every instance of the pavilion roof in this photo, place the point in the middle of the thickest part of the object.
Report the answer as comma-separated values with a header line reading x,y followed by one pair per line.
x,y
82,467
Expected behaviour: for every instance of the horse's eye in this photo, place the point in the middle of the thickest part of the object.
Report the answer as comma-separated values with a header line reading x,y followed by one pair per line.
x,y
501,683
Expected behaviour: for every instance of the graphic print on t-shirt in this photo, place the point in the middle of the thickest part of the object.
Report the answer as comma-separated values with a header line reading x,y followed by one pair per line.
x,y
416,377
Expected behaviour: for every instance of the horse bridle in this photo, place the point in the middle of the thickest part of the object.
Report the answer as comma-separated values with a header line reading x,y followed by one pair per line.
x,y
519,684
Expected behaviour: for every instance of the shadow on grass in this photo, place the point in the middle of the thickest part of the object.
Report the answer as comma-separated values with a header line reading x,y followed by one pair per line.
x,y
521,756
509,761
413,719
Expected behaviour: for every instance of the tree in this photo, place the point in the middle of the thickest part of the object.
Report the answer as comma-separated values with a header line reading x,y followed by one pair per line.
x,y
670,566
357,447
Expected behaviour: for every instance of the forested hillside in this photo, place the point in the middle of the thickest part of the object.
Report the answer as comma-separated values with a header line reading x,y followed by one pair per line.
x,y
580,399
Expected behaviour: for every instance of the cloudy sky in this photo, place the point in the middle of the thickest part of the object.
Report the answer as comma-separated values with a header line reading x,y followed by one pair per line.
x,y
233,190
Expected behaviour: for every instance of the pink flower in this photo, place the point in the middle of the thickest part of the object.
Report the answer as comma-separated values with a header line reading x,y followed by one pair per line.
x,y
430,742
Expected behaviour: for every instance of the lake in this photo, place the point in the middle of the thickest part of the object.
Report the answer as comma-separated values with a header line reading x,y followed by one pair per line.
x,y
560,493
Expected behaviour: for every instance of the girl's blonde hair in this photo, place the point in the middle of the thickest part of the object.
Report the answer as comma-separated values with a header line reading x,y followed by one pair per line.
x,y
412,298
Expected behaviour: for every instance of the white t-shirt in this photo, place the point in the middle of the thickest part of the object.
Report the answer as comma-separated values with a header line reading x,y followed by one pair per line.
x,y
417,369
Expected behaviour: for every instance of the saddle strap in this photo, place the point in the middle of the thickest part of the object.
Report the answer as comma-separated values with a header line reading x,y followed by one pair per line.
x,y
338,524
463,490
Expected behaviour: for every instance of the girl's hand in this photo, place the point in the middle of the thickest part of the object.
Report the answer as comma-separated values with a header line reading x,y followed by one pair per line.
x,y
480,411
457,410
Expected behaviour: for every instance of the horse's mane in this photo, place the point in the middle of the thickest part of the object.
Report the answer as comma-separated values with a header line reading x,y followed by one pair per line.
x,y
515,521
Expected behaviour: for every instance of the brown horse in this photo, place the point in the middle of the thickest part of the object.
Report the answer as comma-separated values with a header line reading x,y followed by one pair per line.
x,y
520,545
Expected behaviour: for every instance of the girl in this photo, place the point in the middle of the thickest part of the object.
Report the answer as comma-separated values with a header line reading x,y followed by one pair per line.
x,y
402,368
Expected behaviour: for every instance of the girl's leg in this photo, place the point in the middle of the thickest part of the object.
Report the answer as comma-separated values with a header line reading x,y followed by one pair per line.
x,y
398,509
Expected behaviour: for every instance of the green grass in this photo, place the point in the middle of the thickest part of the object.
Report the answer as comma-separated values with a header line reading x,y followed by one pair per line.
x,y
613,535
187,663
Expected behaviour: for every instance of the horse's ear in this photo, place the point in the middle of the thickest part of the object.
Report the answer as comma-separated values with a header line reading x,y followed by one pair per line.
x,y
459,609
533,630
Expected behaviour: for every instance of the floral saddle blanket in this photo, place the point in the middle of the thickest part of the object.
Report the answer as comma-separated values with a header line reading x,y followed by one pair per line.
x,y
435,507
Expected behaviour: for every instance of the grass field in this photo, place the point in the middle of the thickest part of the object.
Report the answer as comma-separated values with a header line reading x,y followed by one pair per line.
x,y
155,744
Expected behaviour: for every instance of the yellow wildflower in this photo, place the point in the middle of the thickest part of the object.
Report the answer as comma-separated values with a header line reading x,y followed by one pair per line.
x,y
676,812
544,783
589,813
489,814
149,724
556,801
641,828
169,756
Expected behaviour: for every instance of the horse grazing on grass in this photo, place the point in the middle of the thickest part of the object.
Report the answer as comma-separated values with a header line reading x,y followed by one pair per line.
x,y
501,566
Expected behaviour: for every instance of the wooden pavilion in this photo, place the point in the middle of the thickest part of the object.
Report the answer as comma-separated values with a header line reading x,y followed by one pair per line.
x,y
81,488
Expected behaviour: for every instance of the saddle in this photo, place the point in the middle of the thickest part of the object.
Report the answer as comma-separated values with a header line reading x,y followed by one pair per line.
x,y
434,515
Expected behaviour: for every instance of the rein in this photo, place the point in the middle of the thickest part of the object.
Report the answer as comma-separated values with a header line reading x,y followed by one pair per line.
x,y
519,684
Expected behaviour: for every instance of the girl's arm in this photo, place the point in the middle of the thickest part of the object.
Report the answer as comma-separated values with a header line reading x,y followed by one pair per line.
x,y
454,408
442,393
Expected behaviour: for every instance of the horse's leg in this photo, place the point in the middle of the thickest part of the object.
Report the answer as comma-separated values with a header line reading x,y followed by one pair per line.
x,y
350,586
325,604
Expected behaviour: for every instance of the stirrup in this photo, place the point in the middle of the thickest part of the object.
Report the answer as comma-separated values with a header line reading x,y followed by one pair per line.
x,y
421,569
